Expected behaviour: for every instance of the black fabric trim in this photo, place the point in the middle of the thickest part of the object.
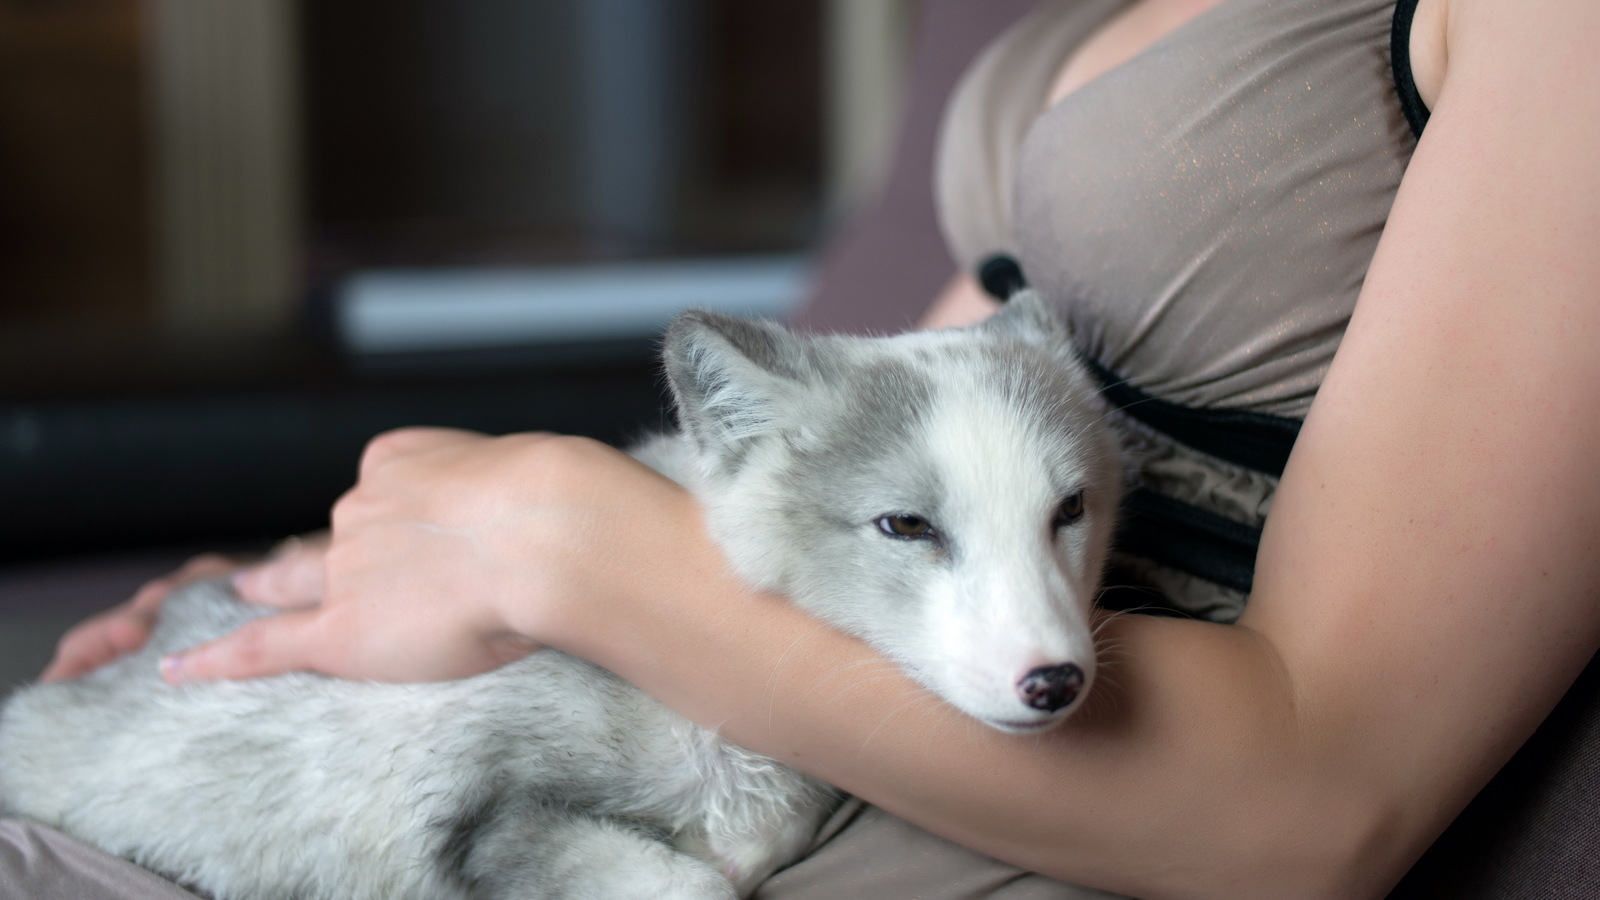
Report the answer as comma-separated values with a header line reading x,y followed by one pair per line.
x,y
1189,539
1400,64
1254,440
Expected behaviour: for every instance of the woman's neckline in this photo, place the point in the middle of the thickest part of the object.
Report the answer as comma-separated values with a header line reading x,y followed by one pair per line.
x,y
1051,101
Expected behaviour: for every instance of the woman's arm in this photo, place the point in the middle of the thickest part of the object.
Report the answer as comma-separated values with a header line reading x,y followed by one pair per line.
x,y
1427,585
1425,589
1429,571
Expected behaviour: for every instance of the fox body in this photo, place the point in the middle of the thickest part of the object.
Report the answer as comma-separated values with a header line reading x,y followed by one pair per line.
x,y
946,496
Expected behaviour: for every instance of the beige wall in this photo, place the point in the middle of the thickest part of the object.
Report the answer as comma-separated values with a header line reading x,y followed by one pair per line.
x,y
226,175
867,43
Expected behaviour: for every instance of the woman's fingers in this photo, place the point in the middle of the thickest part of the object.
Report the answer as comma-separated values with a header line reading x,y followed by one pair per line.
x,y
126,627
408,441
326,641
441,527
261,647
293,576
150,595
88,646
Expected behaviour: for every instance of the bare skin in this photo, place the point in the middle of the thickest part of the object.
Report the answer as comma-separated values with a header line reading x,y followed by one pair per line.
x,y
1424,591
125,627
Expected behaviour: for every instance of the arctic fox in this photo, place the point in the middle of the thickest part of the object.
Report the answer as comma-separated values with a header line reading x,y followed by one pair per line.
x,y
947,496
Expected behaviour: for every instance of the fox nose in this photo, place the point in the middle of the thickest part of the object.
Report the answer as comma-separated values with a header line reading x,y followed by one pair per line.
x,y
1051,688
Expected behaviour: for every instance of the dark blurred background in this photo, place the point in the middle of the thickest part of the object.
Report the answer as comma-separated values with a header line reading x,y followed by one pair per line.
x,y
237,239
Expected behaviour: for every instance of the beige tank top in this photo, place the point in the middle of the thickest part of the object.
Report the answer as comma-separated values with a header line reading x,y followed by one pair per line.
x,y
1205,213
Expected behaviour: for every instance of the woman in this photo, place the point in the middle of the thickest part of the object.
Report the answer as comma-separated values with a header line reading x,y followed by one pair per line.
x,y
1424,589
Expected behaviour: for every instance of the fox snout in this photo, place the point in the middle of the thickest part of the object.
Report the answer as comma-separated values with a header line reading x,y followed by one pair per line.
x,y
1051,688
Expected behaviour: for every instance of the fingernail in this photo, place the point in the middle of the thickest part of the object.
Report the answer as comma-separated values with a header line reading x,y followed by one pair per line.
x,y
172,668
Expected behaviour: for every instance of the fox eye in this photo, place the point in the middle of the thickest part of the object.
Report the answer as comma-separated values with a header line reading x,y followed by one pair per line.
x,y
1070,510
905,525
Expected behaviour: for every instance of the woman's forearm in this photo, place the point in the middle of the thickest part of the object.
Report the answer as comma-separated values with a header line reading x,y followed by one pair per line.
x,y
1184,775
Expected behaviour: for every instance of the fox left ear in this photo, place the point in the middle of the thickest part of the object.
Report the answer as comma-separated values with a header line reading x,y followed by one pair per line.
x,y
1028,317
732,379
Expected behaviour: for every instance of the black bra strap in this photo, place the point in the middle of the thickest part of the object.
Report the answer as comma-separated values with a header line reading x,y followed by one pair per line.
x,y
1400,63
1181,536
1254,440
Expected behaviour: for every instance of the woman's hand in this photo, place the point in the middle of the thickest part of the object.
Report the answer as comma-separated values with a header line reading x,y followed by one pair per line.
x,y
124,628
454,554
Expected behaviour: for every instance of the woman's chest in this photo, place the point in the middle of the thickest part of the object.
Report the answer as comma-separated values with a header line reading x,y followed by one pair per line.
x,y
1142,23
1121,38
1204,197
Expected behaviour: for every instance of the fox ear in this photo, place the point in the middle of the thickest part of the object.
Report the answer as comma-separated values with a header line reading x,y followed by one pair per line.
x,y
732,379
1028,317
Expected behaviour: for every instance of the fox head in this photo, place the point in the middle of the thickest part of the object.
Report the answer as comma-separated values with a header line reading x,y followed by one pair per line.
x,y
947,496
